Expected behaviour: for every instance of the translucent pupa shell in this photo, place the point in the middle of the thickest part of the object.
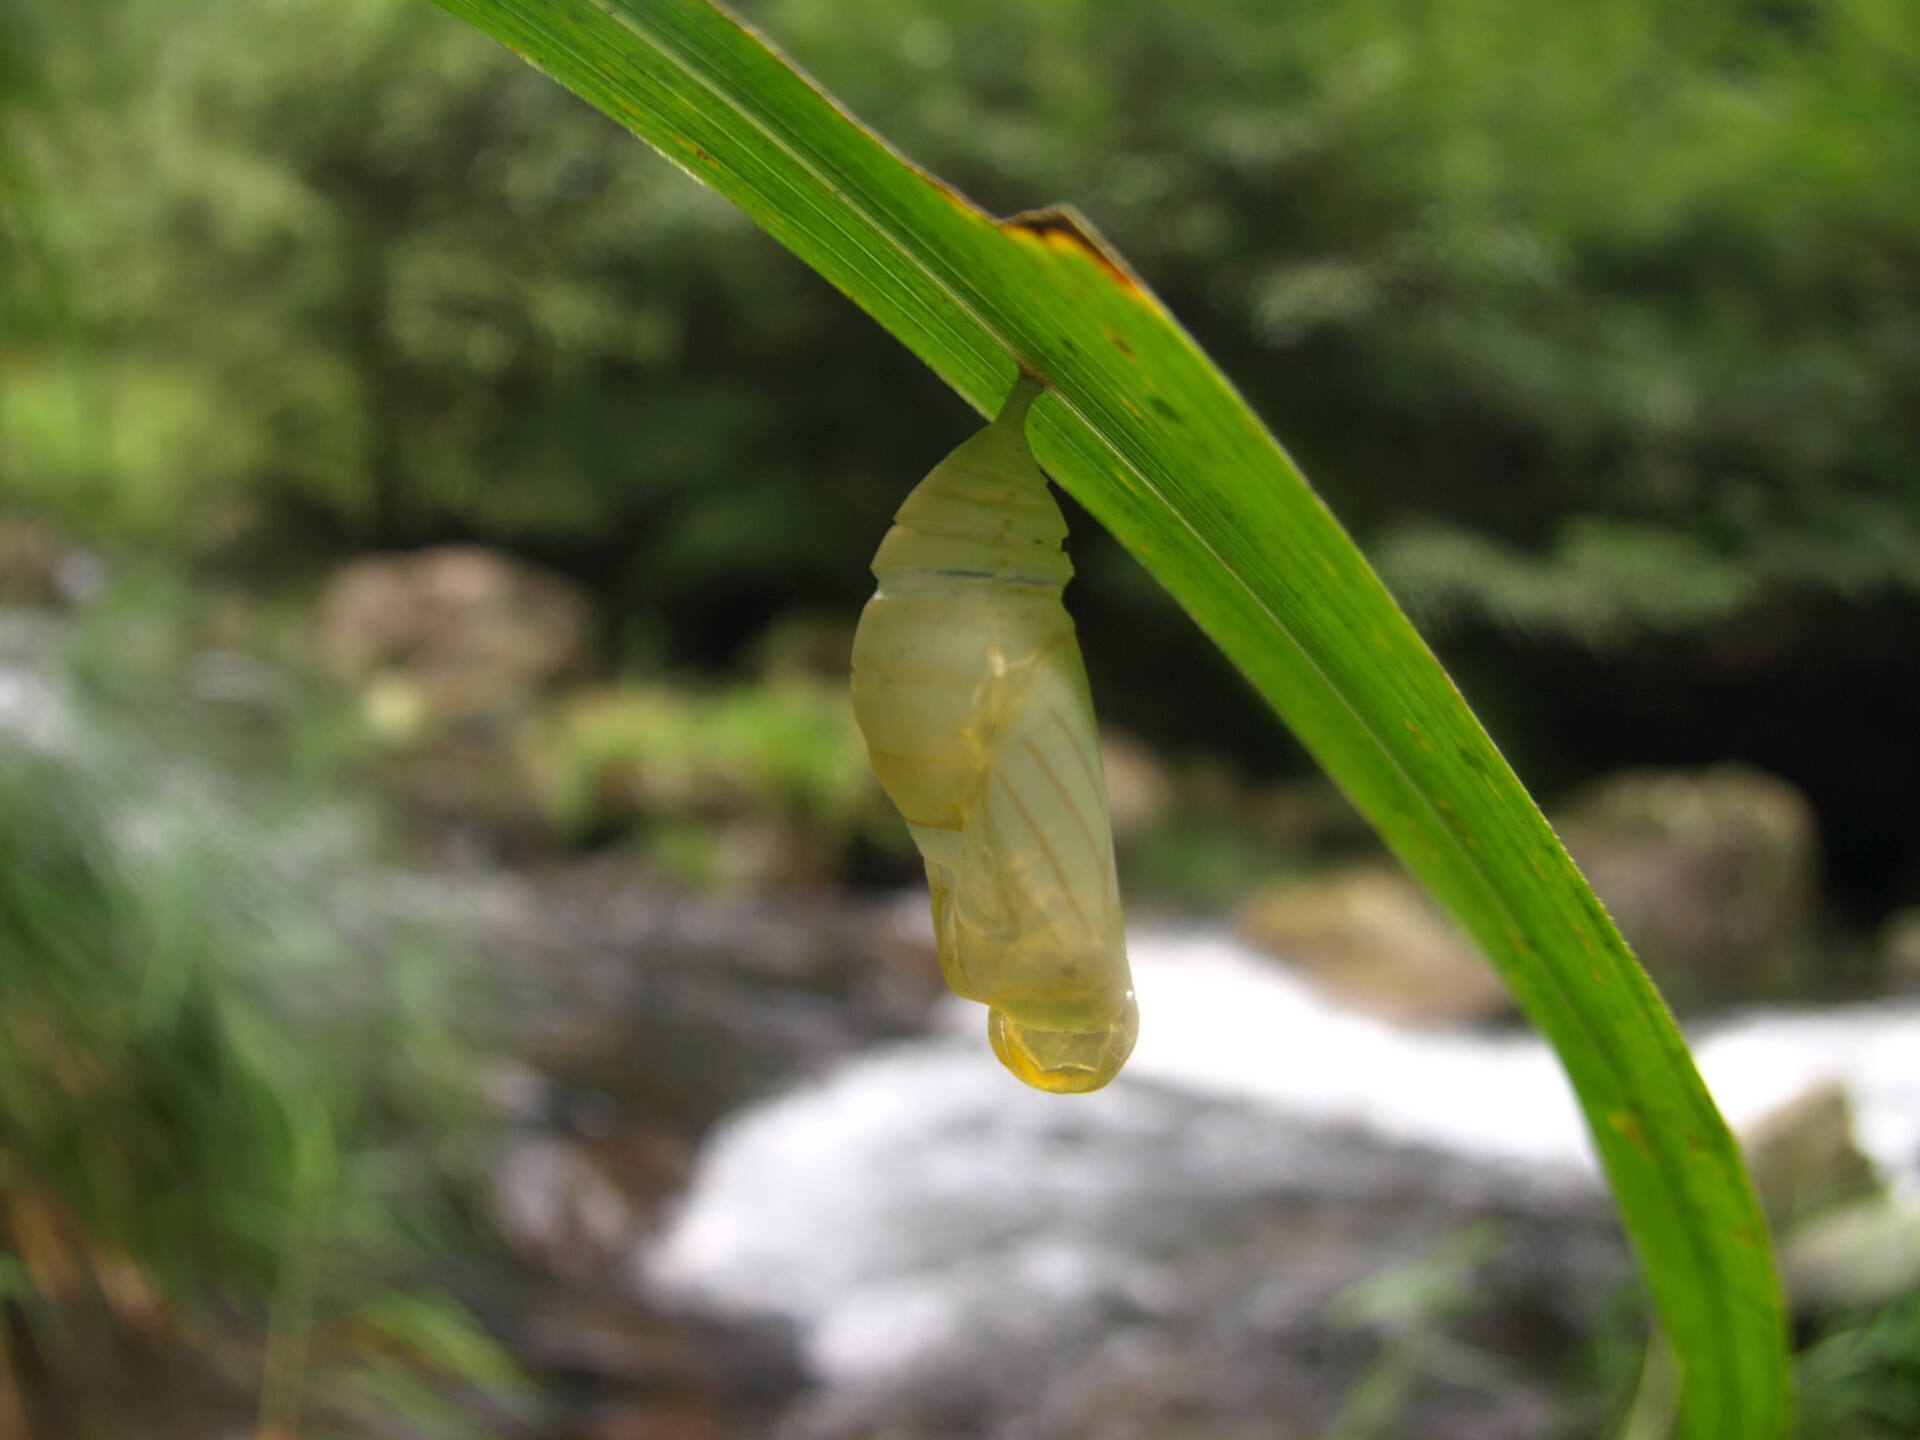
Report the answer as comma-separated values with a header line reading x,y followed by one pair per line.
x,y
970,692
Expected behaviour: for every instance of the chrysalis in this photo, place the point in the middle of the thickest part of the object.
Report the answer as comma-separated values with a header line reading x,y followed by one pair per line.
x,y
969,689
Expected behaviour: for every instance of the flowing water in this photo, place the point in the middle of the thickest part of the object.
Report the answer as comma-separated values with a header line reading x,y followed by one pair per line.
x,y
917,1207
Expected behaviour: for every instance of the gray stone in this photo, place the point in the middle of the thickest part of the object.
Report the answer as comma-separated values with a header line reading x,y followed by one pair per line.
x,y
453,631
1712,875
1367,935
1803,1158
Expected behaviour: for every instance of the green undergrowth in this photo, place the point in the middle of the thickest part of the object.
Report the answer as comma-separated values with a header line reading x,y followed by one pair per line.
x,y
238,1112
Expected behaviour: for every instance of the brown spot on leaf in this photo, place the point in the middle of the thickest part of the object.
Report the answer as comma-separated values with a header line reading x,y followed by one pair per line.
x,y
686,146
1627,1122
1061,227
1119,342
1459,825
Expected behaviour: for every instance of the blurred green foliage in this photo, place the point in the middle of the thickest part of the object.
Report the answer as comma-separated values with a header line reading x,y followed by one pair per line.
x,y
237,1105
1860,1378
1599,327
1594,321
1408,1306
782,757
1625,288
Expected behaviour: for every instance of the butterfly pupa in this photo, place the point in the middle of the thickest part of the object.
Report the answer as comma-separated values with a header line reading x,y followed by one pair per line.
x,y
969,690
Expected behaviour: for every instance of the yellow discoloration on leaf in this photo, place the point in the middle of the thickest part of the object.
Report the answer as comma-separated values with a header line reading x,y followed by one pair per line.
x,y
1065,231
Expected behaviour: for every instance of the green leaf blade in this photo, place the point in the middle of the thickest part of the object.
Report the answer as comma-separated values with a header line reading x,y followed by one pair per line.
x,y
1145,432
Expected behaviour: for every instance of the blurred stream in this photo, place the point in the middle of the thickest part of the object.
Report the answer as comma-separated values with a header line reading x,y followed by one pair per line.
x,y
917,1206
